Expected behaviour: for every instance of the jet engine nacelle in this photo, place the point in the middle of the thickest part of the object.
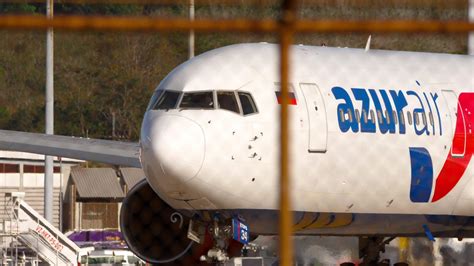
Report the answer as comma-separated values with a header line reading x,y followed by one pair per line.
x,y
153,230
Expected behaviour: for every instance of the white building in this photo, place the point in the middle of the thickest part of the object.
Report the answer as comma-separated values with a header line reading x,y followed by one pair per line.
x,y
20,171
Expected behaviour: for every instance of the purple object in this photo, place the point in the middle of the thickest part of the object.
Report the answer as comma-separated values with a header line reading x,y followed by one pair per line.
x,y
109,239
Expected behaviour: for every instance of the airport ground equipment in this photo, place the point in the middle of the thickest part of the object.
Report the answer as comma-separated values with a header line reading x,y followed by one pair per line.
x,y
40,235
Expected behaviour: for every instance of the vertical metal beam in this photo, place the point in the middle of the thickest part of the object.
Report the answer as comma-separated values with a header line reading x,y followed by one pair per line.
x,y
286,216
48,162
72,208
191,32
61,194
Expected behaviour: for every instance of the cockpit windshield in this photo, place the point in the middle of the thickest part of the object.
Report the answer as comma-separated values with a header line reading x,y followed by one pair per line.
x,y
227,101
247,103
154,99
168,100
197,100
238,102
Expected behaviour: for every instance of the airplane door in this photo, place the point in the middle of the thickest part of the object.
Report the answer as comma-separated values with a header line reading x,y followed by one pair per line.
x,y
318,131
458,124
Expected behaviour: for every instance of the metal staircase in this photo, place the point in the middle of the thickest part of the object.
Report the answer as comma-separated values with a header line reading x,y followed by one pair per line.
x,y
30,228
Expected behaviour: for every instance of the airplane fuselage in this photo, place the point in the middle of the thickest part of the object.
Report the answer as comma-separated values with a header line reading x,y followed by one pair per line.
x,y
381,142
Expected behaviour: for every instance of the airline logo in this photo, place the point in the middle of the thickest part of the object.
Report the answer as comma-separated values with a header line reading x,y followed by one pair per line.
x,y
394,106
422,172
457,161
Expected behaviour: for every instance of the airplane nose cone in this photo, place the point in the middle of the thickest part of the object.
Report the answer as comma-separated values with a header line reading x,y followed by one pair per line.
x,y
173,153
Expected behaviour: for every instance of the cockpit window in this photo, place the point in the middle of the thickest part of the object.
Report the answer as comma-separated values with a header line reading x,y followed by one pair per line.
x,y
167,100
248,105
197,100
227,101
154,99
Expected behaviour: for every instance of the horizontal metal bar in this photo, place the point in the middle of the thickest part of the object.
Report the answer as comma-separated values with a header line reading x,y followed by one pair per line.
x,y
385,26
152,2
458,4
103,23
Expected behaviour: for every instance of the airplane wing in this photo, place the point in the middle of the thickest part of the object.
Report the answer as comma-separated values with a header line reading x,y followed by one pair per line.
x,y
104,151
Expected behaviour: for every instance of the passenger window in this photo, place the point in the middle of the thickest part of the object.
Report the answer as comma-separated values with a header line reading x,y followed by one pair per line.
x,y
379,116
349,115
372,116
227,101
247,103
387,116
395,118
364,114
410,120
402,118
357,115
341,115
423,116
168,100
431,118
197,100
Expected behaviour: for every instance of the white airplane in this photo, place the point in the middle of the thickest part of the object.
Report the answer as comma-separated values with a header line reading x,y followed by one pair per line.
x,y
381,143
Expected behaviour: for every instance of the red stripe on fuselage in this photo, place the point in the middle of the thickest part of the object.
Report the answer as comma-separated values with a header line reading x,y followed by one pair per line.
x,y
454,167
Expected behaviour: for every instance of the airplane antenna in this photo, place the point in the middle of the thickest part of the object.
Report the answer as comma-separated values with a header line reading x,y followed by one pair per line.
x,y
367,46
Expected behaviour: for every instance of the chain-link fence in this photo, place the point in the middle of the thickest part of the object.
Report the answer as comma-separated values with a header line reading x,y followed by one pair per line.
x,y
310,138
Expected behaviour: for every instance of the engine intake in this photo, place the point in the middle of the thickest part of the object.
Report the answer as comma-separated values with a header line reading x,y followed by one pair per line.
x,y
153,230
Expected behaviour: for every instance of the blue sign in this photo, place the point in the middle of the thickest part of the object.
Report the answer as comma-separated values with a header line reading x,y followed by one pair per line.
x,y
240,231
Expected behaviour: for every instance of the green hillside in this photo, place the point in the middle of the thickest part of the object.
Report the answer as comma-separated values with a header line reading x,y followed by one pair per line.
x,y
101,75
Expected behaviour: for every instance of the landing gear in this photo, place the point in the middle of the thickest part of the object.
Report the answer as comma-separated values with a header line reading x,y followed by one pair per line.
x,y
220,233
370,249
